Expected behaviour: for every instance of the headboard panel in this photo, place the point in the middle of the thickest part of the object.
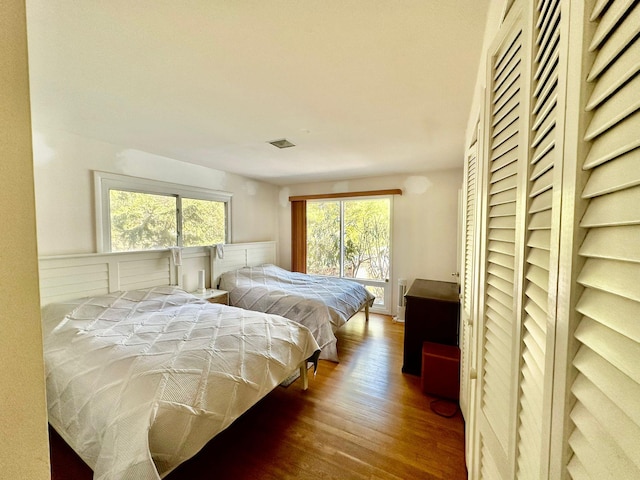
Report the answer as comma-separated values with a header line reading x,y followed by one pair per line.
x,y
238,255
74,276
66,277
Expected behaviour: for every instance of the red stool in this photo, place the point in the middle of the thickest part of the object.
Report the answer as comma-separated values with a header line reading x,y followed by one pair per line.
x,y
441,370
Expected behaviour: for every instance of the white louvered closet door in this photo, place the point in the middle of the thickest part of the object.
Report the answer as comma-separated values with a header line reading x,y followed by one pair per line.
x,y
542,239
605,438
466,323
468,338
499,307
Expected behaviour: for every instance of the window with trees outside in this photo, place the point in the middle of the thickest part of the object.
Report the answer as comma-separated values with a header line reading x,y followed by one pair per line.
x,y
351,239
140,214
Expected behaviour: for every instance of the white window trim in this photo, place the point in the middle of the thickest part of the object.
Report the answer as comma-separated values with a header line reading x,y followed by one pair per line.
x,y
386,283
104,181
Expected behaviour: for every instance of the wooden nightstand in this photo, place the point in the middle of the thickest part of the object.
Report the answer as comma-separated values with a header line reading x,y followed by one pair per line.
x,y
214,296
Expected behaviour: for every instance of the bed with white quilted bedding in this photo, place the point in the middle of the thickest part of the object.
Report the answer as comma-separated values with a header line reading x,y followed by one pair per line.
x,y
322,304
139,381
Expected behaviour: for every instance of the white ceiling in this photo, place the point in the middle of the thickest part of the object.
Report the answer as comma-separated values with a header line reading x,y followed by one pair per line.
x,y
361,87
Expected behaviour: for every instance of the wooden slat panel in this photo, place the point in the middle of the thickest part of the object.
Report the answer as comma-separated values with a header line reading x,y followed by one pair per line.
x,y
502,199
541,152
538,294
540,220
506,171
609,22
625,67
542,201
620,208
507,80
598,8
598,455
501,223
488,463
616,142
605,441
620,278
542,183
503,210
614,243
469,236
613,312
506,121
500,284
508,142
501,247
612,176
502,235
618,40
533,425
503,295
622,104
509,157
608,380
501,259
511,49
509,183
503,192
505,110
539,258
499,271
539,239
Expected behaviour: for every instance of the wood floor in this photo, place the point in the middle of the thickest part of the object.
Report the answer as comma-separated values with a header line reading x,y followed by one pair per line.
x,y
360,419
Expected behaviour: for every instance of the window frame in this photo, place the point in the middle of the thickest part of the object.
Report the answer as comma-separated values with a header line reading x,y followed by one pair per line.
x,y
385,284
104,182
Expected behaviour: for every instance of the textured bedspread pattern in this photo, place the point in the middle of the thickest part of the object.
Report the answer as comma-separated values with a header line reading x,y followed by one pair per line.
x,y
322,304
139,381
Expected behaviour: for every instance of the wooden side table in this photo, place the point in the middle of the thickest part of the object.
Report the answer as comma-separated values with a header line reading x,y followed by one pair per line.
x,y
214,295
431,315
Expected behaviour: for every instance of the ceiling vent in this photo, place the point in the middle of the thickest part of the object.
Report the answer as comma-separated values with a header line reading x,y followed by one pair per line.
x,y
283,143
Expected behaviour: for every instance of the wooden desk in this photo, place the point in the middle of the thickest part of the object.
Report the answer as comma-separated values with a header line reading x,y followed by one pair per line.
x,y
431,315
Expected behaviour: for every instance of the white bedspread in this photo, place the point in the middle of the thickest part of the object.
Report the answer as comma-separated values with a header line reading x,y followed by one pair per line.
x,y
139,381
322,304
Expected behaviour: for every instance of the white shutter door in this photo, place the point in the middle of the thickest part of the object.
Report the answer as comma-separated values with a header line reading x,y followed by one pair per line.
x,y
498,312
536,362
605,437
469,226
467,361
468,338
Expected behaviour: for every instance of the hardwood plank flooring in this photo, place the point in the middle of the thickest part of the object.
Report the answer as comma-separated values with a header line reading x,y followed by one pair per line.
x,y
360,419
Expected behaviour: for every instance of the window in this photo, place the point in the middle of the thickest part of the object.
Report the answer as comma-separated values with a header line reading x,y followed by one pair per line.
x,y
351,239
140,214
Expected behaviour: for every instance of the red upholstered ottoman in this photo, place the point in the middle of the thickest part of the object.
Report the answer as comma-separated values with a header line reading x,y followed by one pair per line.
x,y
441,370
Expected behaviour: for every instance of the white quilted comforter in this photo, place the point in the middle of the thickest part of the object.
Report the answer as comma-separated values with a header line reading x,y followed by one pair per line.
x,y
140,381
322,304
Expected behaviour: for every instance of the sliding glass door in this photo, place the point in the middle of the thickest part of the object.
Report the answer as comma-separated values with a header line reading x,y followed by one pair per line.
x,y
352,239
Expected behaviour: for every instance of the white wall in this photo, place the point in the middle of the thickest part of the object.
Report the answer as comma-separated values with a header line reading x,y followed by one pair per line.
x,y
496,13
24,447
425,216
65,200
425,221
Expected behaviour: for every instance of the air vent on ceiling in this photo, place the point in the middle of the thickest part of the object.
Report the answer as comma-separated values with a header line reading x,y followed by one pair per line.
x,y
283,143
